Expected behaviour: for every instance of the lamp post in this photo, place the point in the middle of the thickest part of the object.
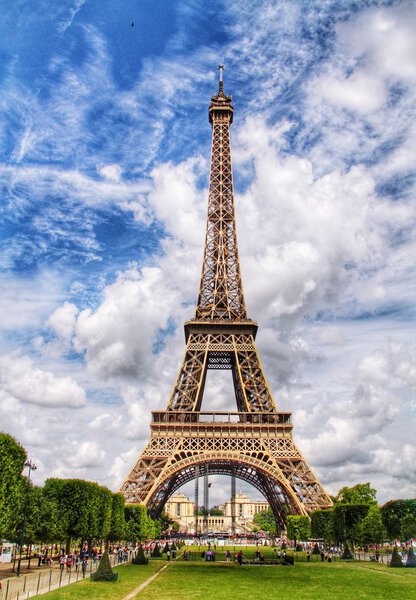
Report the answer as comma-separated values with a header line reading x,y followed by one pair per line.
x,y
32,467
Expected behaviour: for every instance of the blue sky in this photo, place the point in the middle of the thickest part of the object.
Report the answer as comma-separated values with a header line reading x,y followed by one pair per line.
x,y
105,149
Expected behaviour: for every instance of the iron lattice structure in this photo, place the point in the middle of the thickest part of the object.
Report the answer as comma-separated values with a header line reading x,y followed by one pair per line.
x,y
254,444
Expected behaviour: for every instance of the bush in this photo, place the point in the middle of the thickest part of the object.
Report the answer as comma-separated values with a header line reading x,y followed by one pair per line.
x,y
156,551
411,558
140,558
396,561
346,554
104,571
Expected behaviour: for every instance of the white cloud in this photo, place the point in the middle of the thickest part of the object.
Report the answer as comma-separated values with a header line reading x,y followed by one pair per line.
x,y
111,172
63,320
23,381
361,91
84,454
119,335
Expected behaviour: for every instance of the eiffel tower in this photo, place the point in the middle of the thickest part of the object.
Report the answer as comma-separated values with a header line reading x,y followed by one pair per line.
x,y
255,443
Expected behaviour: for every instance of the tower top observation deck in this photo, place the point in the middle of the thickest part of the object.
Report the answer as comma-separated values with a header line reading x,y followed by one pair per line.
x,y
221,104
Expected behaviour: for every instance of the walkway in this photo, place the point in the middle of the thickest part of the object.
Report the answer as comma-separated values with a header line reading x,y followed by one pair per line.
x,y
44,580
141,587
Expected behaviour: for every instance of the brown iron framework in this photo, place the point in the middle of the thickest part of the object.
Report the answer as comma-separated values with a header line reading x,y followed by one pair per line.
x,y
254,444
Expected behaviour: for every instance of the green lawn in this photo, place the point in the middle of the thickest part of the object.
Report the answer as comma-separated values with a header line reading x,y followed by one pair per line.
x,y
199,580
129,577
335,581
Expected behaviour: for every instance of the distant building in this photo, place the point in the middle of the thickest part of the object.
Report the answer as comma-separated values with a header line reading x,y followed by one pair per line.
x,y
180,508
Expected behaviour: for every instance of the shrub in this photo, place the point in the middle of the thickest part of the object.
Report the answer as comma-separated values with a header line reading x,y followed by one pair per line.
x,y
156,551
104,571
346,553
140,558
396,561
411,558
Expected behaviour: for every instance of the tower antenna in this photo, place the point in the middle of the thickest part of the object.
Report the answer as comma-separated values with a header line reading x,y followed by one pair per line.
x,y
220,89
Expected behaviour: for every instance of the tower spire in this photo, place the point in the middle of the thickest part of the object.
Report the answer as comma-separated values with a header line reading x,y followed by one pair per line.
x,y
220,87
221,291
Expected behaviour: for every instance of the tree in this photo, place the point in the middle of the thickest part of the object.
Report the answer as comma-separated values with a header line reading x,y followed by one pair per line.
x,y
105,501
12,460
44,511
372,530
361,493
298,528
347,521
322,525
265,521
83,509
138,525
399,518
216,512
118,519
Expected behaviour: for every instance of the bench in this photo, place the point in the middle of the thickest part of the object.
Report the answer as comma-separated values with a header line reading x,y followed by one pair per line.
x,y
271,561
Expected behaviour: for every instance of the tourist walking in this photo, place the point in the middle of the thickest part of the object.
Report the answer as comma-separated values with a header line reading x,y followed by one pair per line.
x,y
84,564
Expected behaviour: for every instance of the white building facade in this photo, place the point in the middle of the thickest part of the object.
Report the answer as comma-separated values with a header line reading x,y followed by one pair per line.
x,y
181,509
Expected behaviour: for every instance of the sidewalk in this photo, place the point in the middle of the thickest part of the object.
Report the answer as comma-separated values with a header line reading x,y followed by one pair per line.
x,y
40,580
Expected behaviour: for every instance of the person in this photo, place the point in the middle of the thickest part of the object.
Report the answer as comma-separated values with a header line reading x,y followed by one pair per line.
x,y
69,562
240,558
84,564
228,556
308,556
168,554
62,561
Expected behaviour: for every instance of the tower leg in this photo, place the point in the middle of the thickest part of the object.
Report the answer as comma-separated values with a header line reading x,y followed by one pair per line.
x,y
196,505
233,516
206,500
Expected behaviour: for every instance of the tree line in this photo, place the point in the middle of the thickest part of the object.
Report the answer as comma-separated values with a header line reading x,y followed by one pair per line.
x,y
65,510
73,510
355,518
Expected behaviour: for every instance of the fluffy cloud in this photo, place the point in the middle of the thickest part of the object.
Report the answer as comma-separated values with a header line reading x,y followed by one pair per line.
x,y
118,337
23,381
63,320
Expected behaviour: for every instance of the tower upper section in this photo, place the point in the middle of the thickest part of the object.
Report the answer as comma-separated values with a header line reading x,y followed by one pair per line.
x,y
221,292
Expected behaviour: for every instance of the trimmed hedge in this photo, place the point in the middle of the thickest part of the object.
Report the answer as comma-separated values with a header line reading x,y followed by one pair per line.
x,y
104,571
396,561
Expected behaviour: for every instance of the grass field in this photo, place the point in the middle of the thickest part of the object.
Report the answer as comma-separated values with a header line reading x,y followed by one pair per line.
x,y
199,580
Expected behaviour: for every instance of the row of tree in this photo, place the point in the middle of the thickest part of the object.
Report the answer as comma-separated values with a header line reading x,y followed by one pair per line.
x,y
355,518
64,510
67,510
